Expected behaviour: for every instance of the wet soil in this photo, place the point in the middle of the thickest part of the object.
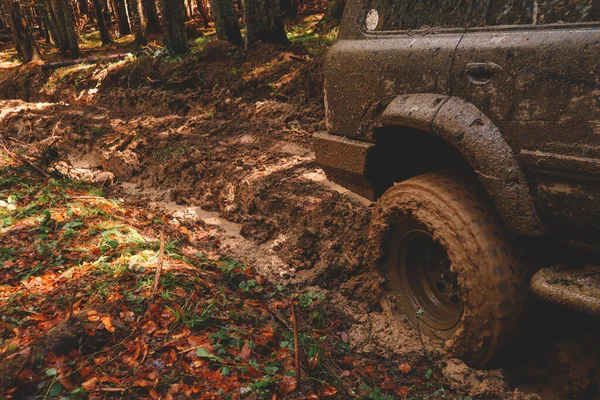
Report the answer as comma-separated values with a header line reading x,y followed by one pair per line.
x,y
224,138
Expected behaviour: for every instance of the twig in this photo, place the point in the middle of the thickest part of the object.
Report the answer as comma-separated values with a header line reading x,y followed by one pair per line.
x,y
296,342
18,157
74,297
161,254
419,314
110,389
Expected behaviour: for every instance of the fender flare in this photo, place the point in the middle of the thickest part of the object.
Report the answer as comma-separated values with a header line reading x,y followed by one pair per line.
x,y
481,143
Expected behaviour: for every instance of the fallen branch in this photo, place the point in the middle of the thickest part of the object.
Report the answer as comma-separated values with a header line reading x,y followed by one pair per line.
x,y
296,343
89,60
20,158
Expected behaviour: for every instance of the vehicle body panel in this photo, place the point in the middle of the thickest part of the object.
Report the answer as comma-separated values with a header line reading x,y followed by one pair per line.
x,y
538,85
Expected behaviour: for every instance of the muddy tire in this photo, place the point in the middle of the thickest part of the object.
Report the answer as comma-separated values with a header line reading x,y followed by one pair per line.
x,y
447,265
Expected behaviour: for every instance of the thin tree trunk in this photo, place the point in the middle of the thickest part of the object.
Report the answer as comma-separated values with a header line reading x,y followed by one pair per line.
x,y
24,42
104,33
83,7
173,22
226,22
69,21
202,12
188,9
262,19
135,21
151,16
121,17
56,29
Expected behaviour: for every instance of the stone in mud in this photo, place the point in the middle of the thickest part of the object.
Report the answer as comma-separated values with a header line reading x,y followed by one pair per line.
x,y
123,164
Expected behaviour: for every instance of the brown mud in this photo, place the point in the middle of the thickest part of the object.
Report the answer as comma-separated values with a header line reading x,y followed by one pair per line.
x,y
224,138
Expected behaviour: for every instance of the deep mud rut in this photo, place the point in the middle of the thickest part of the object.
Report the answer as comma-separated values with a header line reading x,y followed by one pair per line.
x,y
248,174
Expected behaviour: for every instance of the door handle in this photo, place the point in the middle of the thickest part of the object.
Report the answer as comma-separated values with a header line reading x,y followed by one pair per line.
x,y
480,73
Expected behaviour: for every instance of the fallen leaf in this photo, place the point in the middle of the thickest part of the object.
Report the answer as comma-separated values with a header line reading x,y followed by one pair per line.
x,y
90,384
142,383
405,368
93,316
108,324
327,391
288,384
245,353
344,337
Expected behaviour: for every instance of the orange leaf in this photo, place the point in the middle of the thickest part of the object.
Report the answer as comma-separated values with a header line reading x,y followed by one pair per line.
x,y
403,391
245,353
405,368
142,383
90,384
327,391
93,316
108,324
288,384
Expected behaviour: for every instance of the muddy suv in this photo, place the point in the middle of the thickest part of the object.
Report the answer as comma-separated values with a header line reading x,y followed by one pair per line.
x,y
475,125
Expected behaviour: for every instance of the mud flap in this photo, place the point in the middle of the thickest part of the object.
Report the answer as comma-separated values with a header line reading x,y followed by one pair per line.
x,y
578,289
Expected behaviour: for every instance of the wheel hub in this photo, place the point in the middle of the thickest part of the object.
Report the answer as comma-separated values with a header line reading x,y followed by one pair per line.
x,y
432,288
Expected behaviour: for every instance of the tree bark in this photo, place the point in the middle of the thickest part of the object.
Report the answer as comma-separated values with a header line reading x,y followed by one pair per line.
x,y
104,33
56,29
173,23
202,12
69,24
262,20
24,42
226,23
135,21
335,9
151,16
121,17
289,8
83,7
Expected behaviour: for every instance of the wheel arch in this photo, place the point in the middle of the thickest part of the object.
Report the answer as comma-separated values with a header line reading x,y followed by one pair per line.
x,y
466,135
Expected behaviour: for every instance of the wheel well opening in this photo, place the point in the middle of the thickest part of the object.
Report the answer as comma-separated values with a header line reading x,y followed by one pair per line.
x,y
402,153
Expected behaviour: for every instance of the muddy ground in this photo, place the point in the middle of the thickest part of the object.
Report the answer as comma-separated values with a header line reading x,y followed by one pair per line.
x,y
223,138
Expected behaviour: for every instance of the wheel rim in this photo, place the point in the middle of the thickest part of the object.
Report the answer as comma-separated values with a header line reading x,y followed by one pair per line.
x,y
430,285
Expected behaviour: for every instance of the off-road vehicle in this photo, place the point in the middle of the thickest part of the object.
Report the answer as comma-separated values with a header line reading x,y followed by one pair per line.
x,y
475,126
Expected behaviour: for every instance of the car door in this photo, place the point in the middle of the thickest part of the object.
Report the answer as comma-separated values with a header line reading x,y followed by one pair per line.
x,y
396,47
533,68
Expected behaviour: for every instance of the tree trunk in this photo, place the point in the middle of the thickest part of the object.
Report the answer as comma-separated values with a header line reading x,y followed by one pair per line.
x,y
226,23
121,17
69,24
202,12
24,42
56,29
289,9
173,22
104,33
188,9
335,9
262,20
135,20
151,16
83,6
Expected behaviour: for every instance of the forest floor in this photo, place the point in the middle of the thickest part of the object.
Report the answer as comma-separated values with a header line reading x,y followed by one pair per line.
x,y
214,149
